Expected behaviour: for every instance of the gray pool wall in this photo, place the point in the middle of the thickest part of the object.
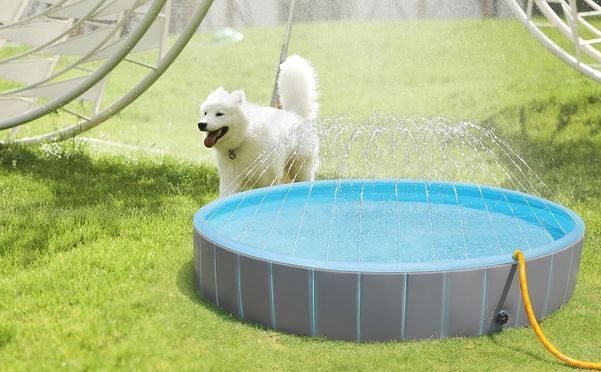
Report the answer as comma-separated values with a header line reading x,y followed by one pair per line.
x,y
368,306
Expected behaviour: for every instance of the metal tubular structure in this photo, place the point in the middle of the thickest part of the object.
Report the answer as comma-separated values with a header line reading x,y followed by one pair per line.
x,y
155,21
283,53
92,79
93,50
59,37
136,91
44,13
569,27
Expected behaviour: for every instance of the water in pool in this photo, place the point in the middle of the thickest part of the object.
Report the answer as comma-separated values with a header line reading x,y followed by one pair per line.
x,y
389,221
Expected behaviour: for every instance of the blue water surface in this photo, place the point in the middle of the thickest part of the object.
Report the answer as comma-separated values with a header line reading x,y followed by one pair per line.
x,y
391,223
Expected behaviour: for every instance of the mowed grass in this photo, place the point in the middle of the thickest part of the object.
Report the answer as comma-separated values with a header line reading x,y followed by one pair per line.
x,y
95,248
468,69
456,69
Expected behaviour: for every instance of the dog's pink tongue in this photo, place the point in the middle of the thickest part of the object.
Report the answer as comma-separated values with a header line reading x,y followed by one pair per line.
x,y
211,138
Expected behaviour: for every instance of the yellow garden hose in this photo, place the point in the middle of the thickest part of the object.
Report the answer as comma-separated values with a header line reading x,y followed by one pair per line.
x,y
519,256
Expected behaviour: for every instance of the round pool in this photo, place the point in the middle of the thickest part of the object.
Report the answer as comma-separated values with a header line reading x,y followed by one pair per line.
x,y
372,260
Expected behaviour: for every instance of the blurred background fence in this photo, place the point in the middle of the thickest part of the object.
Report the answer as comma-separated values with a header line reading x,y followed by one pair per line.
x,y
245,13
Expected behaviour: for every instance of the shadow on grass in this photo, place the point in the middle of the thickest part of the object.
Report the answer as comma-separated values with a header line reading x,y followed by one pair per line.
x,y
570,170
554,117
496,338
57,198
7,333
185,282
560,141
77,180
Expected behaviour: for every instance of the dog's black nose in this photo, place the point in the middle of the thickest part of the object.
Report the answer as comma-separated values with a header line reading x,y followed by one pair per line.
x,y
202,126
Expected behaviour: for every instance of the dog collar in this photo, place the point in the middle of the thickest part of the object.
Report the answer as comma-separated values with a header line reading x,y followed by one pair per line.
x,y
232,153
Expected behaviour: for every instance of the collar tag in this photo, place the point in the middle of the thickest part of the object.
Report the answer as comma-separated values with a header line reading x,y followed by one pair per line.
x,y
232,154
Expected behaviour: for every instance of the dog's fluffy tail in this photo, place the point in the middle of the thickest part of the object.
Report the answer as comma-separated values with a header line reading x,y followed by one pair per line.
x,y
297,87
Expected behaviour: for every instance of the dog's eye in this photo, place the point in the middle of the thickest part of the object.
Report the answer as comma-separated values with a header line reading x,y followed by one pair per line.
x,y
205,113
219,114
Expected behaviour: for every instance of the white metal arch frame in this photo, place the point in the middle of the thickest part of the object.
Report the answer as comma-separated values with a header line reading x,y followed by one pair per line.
x,y
93,78
119,54
25,20
85,57
569,25
54,39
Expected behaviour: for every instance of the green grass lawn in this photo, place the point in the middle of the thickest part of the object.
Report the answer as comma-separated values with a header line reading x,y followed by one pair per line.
x,y
95,248
460,70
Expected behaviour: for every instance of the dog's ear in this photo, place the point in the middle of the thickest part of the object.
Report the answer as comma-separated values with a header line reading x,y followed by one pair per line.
x,y
239,96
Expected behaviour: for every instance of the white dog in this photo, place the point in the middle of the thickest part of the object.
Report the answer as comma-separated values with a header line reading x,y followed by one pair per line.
x,y
261,146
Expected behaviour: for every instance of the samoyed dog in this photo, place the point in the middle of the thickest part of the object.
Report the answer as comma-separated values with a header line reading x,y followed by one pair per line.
x,y
259,146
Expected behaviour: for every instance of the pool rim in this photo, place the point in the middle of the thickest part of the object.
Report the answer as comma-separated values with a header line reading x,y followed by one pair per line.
x,y
211,234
